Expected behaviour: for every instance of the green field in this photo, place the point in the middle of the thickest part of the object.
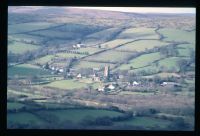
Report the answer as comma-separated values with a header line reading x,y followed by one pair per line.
x,y
26,27
163,75
20,48
141,45
192,46
146,122
139,33
115,43
26,70
24,118
178,35
110,56
67,84
141,61
90,50
14,105
88,64
43,60
27,38
76,115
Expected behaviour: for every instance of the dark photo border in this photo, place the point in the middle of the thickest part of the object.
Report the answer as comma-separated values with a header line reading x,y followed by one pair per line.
x,y
114,3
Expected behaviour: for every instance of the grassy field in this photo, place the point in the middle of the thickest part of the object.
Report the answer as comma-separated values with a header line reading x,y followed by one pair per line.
x,y
90,50
141,61
67,84
139,32
146,122
110,56
115,43
26,70
141,45
76,115
14,105
26,27
178,35
88,64
43,60
24,118
163,75
192,46
20,48
26,37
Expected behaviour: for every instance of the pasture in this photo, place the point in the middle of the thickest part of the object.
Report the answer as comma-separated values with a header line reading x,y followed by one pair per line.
x,y
67,84
24,70
109,56
139,33
89,64
141,45
115,43
178,35
141,61
30,26
20,48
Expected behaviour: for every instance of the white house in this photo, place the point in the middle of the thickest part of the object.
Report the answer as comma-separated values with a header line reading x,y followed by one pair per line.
x,y
79,75
111,87
135,83
61,70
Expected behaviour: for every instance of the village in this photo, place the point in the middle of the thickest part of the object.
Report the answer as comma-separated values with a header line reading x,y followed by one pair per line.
x,y
108,81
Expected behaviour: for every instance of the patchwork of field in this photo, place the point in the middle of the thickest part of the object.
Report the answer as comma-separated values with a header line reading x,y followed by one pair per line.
x,y
141,45
20,48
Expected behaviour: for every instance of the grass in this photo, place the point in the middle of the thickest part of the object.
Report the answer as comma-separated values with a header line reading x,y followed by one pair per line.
x,y
184,52
109,56
26,37
88,64
14,105
138,33
20,48
115,43
67,84
69,55
163,75
141,45
141,61
192,46
43,60
76,115
90,50
146,122
24,118
26,70
178,35
26,27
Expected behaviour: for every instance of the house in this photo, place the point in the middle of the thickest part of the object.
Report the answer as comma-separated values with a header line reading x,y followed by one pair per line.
x,y
79,75
111,87
135,83
101,88
61,70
